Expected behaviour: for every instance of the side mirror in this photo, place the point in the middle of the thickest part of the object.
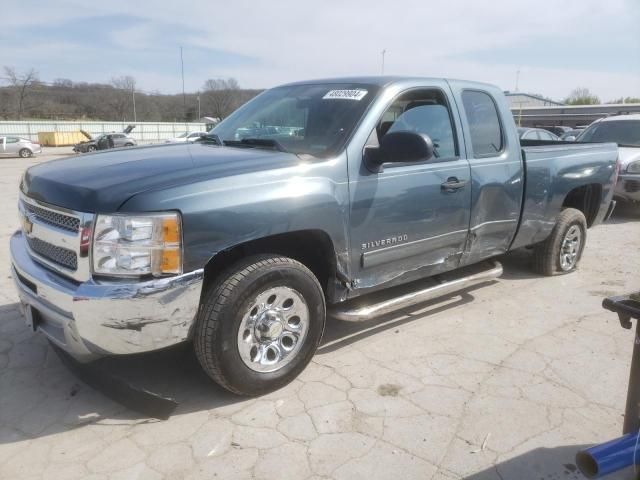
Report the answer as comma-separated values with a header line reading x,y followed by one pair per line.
x,y
402,146
570,138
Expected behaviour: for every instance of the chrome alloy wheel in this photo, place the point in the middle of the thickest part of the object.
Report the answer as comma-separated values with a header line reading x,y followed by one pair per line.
x,y
570,248
273,329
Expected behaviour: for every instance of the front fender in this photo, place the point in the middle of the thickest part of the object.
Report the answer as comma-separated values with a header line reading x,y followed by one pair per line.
x,y
220,213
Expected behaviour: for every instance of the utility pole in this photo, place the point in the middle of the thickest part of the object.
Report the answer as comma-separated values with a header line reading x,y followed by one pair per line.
x,y
517,78
199,116
184,98
384,51
133,94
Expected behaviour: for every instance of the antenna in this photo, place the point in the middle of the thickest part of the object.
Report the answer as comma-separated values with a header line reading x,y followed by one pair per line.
x,y
384,51
184,98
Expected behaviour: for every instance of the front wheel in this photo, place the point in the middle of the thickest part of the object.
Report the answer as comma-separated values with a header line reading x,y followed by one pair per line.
x,y
91,148
25,153
260,324
562,250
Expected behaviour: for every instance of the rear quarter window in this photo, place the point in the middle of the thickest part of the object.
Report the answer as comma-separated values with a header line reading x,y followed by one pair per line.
x,y
485,127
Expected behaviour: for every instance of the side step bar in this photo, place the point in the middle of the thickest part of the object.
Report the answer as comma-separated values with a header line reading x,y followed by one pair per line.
x,y
362,313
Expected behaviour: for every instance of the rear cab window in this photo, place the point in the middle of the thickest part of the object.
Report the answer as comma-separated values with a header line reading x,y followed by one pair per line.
x,y
485,127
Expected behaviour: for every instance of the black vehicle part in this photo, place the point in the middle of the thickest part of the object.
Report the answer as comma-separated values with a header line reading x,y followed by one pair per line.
x,y
628,307
118,389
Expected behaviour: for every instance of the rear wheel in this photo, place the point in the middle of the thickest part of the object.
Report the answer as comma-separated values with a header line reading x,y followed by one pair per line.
x,y
128,144
25,153
562,250
260,324
91,148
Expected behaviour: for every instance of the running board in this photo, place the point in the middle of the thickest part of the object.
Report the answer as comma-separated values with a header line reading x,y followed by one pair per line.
x,y
362,313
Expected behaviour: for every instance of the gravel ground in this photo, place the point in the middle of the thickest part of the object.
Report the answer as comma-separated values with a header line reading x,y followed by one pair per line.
x,y
505,381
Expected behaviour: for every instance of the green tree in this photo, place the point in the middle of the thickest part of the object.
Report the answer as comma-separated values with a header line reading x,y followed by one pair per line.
x,y
582,96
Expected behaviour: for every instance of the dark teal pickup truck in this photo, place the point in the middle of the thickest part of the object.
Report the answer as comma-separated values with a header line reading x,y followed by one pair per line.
x,y
307,200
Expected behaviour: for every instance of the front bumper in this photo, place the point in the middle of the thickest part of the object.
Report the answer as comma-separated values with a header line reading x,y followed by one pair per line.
x,y
628,187
97,318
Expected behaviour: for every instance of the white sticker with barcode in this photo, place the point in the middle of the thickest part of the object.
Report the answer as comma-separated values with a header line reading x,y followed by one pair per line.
x,y
356,94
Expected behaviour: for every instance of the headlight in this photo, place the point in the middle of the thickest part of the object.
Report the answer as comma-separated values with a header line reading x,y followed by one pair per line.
x,y
132,245
634,167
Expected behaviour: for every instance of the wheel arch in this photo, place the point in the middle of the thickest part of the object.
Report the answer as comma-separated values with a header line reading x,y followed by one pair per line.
x,y
586,198
313,248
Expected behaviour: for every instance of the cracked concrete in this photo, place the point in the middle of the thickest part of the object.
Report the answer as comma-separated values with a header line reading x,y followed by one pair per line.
x,y
532,367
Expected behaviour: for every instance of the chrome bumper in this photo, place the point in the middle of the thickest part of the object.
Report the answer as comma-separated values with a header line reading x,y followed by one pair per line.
x,y
96,318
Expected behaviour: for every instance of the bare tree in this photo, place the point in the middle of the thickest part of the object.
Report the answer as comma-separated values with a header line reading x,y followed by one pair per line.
x,y
122,101
582,96
22,83
221,96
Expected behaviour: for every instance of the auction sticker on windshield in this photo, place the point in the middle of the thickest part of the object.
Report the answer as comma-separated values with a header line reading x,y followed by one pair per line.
x,y
345,94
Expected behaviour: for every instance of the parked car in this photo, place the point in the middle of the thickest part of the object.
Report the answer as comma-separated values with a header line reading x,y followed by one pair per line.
x,y
571,135
11,146
186,137
625,131
106,141
242,246
537,134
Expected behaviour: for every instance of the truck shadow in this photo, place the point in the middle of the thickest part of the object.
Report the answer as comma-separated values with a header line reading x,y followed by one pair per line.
x,y
42,396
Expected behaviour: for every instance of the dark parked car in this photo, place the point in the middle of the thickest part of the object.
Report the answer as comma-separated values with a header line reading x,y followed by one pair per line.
x,y
106,141
537,134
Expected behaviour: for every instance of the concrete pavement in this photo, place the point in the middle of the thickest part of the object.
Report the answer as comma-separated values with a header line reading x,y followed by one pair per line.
x,y
505,381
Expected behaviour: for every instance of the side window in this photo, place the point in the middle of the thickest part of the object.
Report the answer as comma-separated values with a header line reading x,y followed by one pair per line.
x,y
422,111
531,135
484,123
12,139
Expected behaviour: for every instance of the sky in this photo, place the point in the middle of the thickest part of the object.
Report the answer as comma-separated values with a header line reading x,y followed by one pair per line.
x,y
557,45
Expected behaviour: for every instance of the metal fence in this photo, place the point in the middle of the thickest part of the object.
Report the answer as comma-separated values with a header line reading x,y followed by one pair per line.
x,y
144,131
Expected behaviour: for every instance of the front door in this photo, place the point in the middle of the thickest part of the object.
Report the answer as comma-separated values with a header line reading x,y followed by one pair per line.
x,y
411,220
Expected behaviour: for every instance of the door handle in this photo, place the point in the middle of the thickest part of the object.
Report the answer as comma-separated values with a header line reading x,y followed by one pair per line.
x,y
452,184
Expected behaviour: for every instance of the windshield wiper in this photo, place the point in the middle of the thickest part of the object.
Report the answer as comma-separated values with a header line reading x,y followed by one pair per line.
x,y
256,142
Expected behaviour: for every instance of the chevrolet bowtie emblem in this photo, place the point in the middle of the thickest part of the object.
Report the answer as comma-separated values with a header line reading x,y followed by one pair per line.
x,y
27,224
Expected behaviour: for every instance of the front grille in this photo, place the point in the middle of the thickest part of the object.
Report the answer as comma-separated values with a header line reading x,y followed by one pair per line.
x,y
632,186
60,220
62,256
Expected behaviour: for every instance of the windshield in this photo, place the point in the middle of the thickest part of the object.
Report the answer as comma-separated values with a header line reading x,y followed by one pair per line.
x,y
311,119
622,132
183,135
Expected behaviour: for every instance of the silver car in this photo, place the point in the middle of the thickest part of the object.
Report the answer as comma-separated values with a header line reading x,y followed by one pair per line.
x,y
18,147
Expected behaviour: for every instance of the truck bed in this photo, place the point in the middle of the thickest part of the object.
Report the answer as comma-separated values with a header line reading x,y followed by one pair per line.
x,y
552,171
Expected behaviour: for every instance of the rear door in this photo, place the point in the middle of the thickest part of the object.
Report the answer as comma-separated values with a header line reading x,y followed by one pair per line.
x,y
3,145
404,222
496,169
12,145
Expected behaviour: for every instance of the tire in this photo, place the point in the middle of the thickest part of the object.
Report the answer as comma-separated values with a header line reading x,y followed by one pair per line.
x,y
251,343
91,148
128,144
25,153
547,258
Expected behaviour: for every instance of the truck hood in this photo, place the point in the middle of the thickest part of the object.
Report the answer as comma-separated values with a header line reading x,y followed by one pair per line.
x,y
626,155
103,181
